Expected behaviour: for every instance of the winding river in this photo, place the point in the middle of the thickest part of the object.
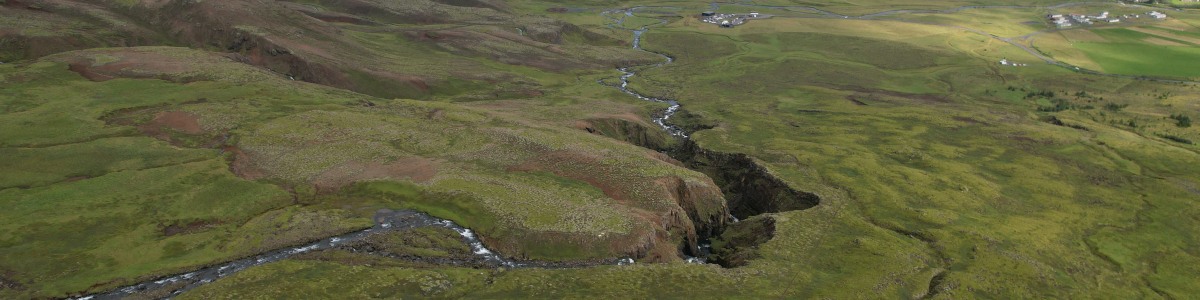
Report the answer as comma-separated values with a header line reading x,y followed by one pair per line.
x,y
673,106
628,72
385,221
617,18
398,220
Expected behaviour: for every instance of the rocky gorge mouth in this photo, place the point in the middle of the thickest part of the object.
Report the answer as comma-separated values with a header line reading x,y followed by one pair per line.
x,y
750,190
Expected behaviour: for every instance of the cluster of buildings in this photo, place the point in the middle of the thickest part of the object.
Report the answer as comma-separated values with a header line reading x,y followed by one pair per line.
x,y
1006,62
729,20
1064,21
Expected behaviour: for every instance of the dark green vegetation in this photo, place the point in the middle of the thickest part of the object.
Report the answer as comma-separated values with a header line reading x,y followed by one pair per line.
x,y
866,158
738,244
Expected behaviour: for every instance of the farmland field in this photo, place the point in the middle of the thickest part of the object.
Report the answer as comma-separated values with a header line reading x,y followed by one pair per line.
x,y
1148,59
1150,51
842,150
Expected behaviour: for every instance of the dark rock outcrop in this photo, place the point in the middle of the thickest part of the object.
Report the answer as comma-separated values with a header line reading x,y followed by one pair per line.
x,y
750,189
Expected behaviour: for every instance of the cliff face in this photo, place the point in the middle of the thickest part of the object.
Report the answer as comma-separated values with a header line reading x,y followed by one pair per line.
x,y
671,214
667,210
750,188
745,189
630,131
738,244
704,206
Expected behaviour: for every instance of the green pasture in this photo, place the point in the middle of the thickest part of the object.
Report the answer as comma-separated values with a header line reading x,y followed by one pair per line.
x,y
1126,51
1144,59
941,173
949,173
152,207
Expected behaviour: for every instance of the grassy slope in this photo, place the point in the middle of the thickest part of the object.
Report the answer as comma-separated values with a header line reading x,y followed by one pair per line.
x,y
504,175
1126,52
1132,47
1015,207
913,185
971,186
88,203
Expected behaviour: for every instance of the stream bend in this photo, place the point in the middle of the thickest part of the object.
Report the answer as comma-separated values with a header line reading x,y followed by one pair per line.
x,y
386,220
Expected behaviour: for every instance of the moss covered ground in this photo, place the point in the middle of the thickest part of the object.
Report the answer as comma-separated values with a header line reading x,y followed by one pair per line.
x,y
925,143
941,173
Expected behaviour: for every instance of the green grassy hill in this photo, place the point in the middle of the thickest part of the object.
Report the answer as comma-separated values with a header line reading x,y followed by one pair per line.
x,y
146,138
133,178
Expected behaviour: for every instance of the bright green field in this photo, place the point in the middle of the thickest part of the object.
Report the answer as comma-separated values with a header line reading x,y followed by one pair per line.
x,y
1158,51
1126,52
1145,59
1185,3
974,174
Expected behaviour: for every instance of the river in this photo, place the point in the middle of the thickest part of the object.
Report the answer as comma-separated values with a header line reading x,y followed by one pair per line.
x,y
385,221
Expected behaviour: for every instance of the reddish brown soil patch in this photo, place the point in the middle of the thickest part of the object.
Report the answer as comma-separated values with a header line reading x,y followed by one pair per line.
x,y
417,82
242,165
180,121
167,123
557,10
416,169
18,4
337,18
584,125
87,72
132,63
550,162
188,228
